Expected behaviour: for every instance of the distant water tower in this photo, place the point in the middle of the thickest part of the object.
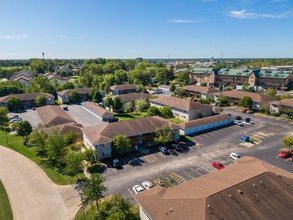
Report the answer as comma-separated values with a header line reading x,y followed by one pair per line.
x,y
211,59
43,55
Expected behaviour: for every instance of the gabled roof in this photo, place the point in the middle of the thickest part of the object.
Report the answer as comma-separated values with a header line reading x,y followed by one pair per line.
x,y
52,115
25,73
21,77
283,102
203,121
251,189
123,87
95,108
199,89
130,97
82,91
26,96
256,97
106,132
183,104
64,128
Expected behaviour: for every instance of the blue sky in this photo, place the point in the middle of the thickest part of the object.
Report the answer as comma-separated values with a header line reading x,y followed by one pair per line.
x,y
146,28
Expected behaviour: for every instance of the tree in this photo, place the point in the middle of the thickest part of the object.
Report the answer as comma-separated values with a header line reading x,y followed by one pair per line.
x,y
128,106
246,101
24,129
109,102
90,155
218,109
153,111
166,112
40,100
245,86
74,97
179,92
117,104
74,162
96,96
93,190
183,77
164,135
265,107
223,100
141,105
14,104
3,115
120,76
121,143
141,88
70,137
221,87
271,92
38,140
288,141
172,87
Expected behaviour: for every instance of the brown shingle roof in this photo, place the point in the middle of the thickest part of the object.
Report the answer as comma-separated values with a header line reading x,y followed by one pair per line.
x,y
202,121
27,96
106,132
64,128
131,97
183,104
82,91
123,87
283,102
267,199
95,108
256,97
199,89
53,115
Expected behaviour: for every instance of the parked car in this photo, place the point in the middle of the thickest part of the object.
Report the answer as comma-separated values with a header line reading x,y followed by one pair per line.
x,y
239,123
147,184
137,188
14,116
163,149
115,163
285,154
65,108
218,165
15,120
235,156
237,117
176,147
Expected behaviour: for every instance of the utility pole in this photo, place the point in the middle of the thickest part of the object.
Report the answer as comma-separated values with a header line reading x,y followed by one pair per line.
x,y
5,134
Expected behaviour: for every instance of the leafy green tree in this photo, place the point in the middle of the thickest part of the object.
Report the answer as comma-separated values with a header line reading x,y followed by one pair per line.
x,y
271,92
141,105
218,109
74,163
90,156
14,104
42,84
109,102
128,107
265,108
288,141
172,87
245,86
221,87
38,140
93,190
246,101
74,97
96,96
162,75
67,85
70,137
183,77
179,92
117,104
24,129
120,76
166,112
56,150
40,100
153,111
141,88
121,144
223,100
3,115
164,135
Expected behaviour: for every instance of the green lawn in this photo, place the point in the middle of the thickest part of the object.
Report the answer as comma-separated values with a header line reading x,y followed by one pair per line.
x,y
5,209
130,115
16,143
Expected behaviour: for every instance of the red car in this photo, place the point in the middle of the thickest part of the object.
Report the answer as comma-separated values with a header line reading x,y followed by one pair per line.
x,y
285,154
218,165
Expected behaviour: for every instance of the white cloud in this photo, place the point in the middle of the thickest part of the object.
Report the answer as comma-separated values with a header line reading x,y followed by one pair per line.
x,y
244,14
13,36
181,21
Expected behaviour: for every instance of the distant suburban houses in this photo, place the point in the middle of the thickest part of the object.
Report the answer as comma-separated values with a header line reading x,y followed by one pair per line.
x,y
164,88
63,96
201,92
183,109
98,111
251,189
123,89
140,131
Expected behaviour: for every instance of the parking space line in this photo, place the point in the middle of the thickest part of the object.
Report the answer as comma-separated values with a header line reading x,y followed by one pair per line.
x,y
131,193
212,134
205,135
199,137
277,156
111,167
217,132
195,171
188,174
162,155
150,158
177,178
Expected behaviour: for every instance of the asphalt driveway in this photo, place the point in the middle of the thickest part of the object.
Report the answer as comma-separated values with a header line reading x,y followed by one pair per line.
x,y
31,193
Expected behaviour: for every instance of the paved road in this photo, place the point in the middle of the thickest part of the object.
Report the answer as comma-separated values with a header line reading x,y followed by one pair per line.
x,y
31,193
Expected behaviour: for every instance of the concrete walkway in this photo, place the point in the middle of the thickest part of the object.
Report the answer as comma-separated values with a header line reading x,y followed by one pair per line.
x,y
31,193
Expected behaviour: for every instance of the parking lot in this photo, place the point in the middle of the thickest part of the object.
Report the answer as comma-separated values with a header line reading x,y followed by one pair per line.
x,y
29,115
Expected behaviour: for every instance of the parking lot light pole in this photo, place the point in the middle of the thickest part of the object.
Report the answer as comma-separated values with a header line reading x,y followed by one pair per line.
x,y
5,134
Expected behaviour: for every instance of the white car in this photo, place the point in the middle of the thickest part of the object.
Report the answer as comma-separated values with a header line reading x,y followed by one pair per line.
x,y
239,123
234,156
137,188
147,184
15,120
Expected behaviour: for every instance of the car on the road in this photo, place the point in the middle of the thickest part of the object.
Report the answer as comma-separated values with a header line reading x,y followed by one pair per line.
x,y
115,163
147,184
239,123
285,153
137,188
235,156
163,149
218,165
15,120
